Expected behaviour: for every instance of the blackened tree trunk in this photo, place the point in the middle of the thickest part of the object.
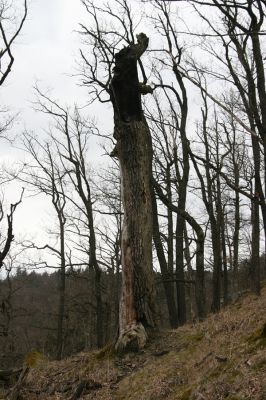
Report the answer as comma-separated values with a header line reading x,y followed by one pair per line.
x,y
236,230
134,151
61,288
93,263
224,256
190,288
167,274
170,225
182,198
200,279
255,247
208,199
180,273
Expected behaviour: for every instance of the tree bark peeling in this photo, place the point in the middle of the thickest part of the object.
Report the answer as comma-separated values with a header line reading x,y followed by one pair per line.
x,y
134,151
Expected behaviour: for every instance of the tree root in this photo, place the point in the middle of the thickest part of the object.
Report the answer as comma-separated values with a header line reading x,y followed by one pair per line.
x,y
131,339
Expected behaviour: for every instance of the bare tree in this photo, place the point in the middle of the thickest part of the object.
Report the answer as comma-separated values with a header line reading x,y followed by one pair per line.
x,y
177,98
43,174
134,151
10,29
108,187
7,240
70,137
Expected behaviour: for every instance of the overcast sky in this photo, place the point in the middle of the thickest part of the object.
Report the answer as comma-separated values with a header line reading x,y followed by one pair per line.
x,y
45,52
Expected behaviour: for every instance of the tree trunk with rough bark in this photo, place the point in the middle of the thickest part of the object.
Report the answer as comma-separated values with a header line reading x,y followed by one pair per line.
x,y
134,151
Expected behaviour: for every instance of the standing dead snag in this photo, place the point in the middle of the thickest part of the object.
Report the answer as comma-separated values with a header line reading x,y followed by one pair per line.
x,y
10,235
134,151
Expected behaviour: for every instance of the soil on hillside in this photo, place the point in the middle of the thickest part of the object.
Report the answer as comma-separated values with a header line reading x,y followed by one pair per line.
x,y
223,357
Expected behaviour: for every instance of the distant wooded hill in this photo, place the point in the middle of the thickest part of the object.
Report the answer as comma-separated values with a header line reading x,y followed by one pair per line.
x,y
29,310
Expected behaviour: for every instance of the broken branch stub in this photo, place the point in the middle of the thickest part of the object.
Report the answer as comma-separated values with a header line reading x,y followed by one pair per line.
x,y
134,151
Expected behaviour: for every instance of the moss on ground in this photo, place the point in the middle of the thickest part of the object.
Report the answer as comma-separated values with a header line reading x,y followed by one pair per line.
x,y
258,338
106,352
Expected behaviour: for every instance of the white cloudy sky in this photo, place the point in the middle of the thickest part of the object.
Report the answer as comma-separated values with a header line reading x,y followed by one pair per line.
x,y
45,52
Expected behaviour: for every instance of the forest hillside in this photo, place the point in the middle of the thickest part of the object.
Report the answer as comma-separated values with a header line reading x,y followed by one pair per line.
x,y
221,358
138,208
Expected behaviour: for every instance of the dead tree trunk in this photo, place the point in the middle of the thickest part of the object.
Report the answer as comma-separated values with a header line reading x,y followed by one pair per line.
x,y
134,151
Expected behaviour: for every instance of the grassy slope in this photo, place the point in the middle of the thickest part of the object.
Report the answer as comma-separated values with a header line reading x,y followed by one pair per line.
x,y
222,358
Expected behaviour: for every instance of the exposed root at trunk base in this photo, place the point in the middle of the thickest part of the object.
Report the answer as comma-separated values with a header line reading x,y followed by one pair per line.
x,y
131,339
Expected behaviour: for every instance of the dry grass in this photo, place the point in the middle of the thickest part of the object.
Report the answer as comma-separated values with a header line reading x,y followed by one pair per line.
x,y
223,357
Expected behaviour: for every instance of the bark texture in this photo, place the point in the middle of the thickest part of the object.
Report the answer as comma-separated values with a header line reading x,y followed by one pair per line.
x,y
134,151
